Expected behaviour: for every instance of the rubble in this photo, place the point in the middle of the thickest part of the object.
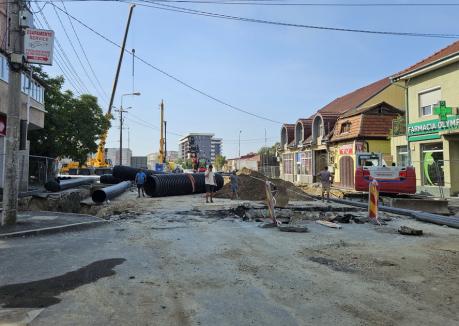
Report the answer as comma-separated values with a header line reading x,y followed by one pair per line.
x,y
252,187
406,230
293,228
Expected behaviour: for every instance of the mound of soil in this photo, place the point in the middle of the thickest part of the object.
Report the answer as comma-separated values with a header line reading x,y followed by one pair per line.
x,y
252,187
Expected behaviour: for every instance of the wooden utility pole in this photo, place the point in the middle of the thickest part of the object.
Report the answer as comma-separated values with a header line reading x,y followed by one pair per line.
x,y
15,51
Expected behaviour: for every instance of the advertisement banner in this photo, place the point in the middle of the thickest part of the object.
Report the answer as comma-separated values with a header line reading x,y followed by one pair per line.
x,y
38,46
346,149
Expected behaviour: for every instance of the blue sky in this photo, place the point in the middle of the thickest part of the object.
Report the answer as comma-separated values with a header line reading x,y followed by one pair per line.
x,y
279,72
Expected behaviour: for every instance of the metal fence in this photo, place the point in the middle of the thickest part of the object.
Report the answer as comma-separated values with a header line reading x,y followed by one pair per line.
x,y
270,171
41,169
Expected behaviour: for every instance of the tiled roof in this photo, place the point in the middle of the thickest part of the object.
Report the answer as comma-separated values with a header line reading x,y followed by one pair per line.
x,y
290,128
437,56
361,110
355,98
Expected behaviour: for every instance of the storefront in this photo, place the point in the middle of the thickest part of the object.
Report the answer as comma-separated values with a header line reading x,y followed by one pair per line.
x,y
435,154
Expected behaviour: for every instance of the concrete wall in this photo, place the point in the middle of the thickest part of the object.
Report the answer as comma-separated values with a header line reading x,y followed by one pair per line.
x,y
394,143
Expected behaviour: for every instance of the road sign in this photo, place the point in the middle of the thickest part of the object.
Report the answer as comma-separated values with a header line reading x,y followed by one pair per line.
x,y
38,46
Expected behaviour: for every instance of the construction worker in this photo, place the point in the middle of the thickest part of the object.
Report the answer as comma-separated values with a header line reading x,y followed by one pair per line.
x,y
210,184
324,177
234,185
140,179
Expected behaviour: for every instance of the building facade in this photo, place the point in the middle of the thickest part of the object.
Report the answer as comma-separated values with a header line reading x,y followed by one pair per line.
x,y
432,139
307,146
31,112
139,162
204,145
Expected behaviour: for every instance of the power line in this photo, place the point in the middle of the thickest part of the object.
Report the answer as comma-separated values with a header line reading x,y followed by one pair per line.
x,y
169,75
74,50
284,3
162,6
104,94
60,65
67,61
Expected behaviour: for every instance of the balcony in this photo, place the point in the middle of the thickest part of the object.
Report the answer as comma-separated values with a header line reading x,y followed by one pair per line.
x,y
398,127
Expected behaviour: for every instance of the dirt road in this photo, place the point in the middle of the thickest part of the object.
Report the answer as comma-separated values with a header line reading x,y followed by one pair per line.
x,y
179,264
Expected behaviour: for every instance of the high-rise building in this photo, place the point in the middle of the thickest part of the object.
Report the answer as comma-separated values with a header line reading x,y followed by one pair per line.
x,y
204,145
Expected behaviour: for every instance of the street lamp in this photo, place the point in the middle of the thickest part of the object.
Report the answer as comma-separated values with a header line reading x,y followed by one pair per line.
x,y
121,110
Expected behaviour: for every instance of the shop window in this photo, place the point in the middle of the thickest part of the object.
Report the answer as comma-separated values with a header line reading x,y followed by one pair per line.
x,y
432,165
288,163
402,156
428,100
306,163
345,127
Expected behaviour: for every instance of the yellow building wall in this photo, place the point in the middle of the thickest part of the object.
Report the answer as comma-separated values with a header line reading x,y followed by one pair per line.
x,y
377,146
394,143
393,95
447,78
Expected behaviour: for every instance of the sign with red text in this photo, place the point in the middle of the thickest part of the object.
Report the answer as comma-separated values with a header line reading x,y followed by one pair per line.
x,y
38,46
347,149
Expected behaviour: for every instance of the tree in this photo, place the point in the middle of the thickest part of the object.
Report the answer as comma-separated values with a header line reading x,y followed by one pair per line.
x,y
72,124
220,161
265,150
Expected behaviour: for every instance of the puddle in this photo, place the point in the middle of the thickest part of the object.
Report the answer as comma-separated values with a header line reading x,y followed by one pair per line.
x,y
43,293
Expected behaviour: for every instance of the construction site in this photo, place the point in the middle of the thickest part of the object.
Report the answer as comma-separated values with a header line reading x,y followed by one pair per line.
x,y
348,216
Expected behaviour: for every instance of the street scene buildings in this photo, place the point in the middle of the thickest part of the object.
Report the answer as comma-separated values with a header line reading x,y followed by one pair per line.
x,y
121,206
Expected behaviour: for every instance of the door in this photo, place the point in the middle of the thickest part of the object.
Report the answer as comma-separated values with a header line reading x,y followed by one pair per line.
x,y
346,172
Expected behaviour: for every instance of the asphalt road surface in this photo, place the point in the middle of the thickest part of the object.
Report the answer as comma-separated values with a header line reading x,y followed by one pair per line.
x,y
171,265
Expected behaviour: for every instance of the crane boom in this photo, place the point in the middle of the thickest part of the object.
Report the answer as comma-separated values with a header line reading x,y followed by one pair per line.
x,y
99,159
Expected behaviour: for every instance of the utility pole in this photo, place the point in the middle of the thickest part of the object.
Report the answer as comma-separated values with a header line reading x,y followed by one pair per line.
x,y
15,50
161,139
239,160
121,135
165,141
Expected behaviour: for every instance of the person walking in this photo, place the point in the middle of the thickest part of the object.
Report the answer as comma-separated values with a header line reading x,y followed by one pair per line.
x,y
325,177
234,185
140,179
210,183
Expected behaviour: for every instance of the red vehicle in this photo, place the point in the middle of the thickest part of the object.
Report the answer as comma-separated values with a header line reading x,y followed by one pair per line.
x,y
391,179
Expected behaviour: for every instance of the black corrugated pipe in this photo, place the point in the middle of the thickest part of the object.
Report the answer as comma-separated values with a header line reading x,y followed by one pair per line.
x,y
56,186
109,179
159,185
126,173
104,194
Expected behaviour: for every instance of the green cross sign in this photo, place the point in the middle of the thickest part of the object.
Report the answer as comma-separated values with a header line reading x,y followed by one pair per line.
x,y
443,111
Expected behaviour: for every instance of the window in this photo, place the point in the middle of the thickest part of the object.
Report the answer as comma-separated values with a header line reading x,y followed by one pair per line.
x,y
432,165
345,127
402,156
306,163
288,163
427,101
4,69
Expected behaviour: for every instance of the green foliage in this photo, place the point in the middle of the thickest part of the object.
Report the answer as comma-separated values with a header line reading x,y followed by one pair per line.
x,y
72,124
220,161
268,150
186,164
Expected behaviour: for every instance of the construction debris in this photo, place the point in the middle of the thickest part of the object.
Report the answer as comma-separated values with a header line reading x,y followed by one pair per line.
x,y
406,230
329,224
252,187
293,228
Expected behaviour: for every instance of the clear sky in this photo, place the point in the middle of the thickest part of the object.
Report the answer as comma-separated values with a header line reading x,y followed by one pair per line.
x,y
283,73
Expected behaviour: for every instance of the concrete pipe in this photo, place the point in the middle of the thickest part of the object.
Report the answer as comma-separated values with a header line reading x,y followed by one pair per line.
x,y
104,194
56,186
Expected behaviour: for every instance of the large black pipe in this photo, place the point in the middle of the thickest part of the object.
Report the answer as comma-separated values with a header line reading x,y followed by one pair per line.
x,y
104,194
159,185
109,179
127,173
56,186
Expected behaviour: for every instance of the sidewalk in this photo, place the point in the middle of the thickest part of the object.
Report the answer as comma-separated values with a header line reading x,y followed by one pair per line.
x,y
32,223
